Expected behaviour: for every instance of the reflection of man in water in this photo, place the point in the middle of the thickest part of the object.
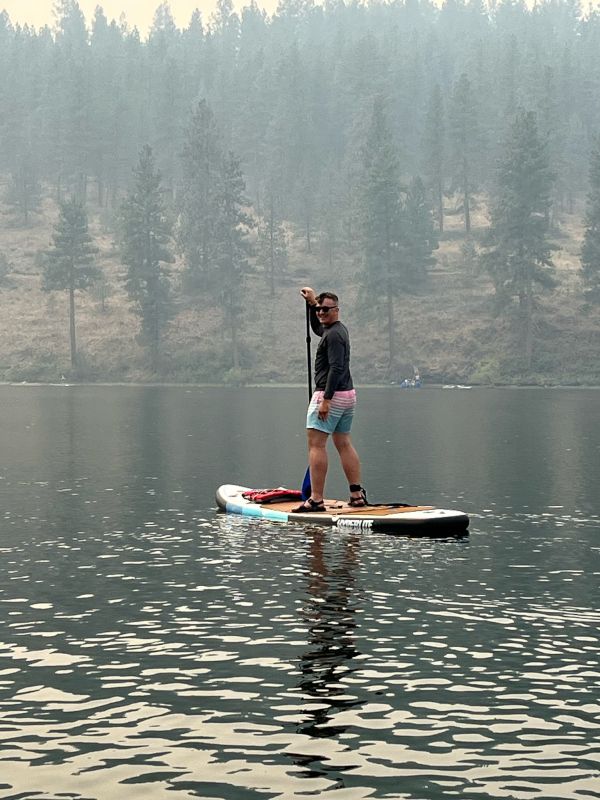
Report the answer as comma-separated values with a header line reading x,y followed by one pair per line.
x,y
330,615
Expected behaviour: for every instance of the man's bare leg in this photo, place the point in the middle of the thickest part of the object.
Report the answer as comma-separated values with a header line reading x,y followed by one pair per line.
x,y
317,461
350,460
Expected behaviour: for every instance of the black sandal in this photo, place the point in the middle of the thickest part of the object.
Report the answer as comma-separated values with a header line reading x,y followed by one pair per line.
x,y
309,506
358,502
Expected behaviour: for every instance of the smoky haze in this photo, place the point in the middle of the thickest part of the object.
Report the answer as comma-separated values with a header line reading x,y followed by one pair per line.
x,y
385,147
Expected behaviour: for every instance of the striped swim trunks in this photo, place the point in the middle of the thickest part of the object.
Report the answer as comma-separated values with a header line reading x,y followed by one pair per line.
x,y
341,412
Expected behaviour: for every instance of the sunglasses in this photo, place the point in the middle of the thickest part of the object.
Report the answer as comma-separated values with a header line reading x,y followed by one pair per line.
x,y
324,309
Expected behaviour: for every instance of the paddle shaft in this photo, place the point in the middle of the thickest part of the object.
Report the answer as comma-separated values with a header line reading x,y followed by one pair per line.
x,y
306,482
308,356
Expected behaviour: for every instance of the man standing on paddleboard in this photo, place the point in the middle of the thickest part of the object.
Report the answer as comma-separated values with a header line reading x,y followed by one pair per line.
x,y
331,408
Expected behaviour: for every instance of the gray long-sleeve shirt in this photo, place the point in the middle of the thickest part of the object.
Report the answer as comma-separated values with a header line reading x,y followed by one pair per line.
x,y
332,362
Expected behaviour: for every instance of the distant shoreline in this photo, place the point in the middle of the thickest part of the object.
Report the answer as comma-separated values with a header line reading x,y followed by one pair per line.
x,y
391,387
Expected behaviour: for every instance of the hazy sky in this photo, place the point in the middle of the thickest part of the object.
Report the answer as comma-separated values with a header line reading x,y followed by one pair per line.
x,y
138,12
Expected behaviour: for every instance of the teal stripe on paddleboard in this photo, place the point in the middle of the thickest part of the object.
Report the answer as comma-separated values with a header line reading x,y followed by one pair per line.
x,y
257,511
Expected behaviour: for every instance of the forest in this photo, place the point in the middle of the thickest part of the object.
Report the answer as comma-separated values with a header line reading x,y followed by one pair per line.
x,y
163,198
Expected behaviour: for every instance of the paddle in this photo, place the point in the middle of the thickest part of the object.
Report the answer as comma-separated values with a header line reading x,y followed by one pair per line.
x,y
306,488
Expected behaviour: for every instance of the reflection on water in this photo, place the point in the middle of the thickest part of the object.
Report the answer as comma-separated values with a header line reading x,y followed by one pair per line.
x,y
150,647
331,657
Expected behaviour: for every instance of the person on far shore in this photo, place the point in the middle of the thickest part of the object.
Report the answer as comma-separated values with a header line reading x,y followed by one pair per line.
x,y
331,409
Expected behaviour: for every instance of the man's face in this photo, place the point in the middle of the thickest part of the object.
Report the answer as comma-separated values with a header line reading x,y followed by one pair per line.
x,y
327,311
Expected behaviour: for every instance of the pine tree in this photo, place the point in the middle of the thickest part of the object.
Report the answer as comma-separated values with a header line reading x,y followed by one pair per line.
x,y
166,107
199,197
232,250
114,110
73,112
381,220
435,147
272,248
24,190
145,249
70,261
590,251
213,232
466,138
519,252
419,239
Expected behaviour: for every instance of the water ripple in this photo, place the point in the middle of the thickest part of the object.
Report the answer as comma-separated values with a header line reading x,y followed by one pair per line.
x,y
215,657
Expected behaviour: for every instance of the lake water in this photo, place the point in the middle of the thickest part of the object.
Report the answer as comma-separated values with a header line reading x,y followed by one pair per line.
x,y
152,648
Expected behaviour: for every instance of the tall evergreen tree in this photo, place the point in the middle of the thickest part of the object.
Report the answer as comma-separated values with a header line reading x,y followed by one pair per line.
x,y
232,250
113,110
381,214
419,238
465,133
213,229
199,197
24,189
164,48
70,261
519,251
272,247
145,249
590,251
435,147
72,111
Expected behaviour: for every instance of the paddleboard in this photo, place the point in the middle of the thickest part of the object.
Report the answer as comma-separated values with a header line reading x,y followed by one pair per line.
x,y
392,518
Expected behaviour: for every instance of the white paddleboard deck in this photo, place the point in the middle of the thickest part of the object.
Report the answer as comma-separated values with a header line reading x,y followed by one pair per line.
x,y
414,520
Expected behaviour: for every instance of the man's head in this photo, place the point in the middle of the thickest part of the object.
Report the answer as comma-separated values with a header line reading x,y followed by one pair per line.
x,y
327,308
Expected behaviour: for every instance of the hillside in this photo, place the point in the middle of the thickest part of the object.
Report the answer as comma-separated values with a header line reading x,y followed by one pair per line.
x,y
450,331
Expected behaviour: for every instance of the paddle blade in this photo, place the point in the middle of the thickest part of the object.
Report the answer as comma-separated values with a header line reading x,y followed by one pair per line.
x,y
306,488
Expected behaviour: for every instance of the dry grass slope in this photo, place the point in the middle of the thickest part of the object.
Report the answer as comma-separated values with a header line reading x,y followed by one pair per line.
x,y
450,330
